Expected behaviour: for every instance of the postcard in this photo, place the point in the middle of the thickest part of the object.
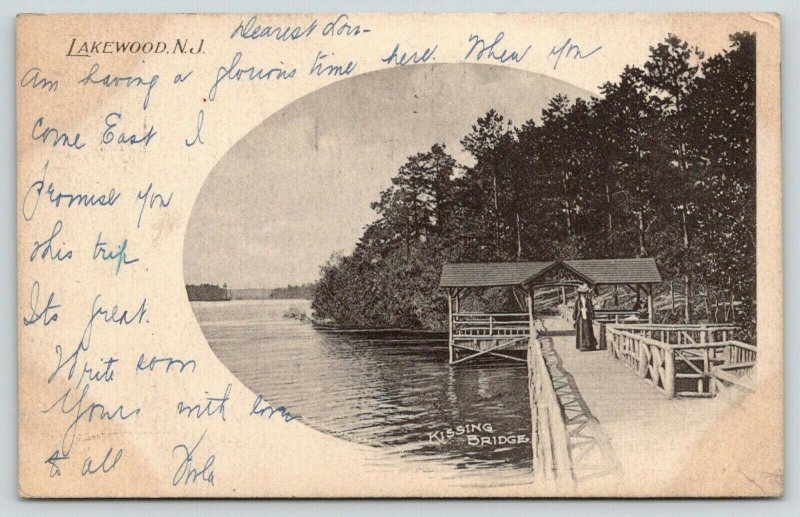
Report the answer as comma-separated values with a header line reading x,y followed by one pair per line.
x,y
399,255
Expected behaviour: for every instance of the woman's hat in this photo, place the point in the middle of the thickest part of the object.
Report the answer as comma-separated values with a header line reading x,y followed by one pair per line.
x,y
584,289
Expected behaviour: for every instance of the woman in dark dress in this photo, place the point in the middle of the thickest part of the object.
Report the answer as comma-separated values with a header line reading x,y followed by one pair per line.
x,y
583,316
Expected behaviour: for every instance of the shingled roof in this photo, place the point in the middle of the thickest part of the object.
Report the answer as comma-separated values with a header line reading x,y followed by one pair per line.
x,y
489,274
618,271
598,271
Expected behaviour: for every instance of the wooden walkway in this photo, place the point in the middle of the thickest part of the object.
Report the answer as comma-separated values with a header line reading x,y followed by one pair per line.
x,y
619,426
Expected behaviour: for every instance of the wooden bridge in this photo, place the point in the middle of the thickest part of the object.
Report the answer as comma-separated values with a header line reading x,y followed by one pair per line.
x,y
617,419
597,415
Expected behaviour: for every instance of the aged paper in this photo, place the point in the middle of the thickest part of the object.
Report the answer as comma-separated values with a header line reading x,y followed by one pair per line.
x,y
428,255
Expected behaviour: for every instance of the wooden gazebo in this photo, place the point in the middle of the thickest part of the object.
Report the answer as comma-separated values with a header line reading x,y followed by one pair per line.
x,y
496,333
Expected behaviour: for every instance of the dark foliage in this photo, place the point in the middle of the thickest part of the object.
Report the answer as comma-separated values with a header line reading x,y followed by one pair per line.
x,y
663,165
207,293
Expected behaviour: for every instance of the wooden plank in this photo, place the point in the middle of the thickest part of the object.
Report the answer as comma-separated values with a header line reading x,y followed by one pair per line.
x,y
727,377
681,326
510,357
694,394
737,366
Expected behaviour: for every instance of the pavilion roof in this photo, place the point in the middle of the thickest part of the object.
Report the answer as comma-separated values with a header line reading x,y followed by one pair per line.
x,y
593,271
489,274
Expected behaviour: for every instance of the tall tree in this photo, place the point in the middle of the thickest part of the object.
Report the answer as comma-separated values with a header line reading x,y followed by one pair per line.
x,y
417,203
722,131
629,124
485,143
555,139
671,74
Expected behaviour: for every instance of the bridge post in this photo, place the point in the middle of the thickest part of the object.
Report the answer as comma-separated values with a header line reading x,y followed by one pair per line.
x,y
450,323
529,303
644,362
669,372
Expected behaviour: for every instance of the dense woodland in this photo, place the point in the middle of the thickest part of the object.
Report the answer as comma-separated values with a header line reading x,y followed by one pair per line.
x,y
207,293
662,164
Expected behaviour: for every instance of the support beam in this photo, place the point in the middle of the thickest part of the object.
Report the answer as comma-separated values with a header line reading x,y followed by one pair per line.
x,y
529,300
510,357
650,303
519,296
450,324
491,350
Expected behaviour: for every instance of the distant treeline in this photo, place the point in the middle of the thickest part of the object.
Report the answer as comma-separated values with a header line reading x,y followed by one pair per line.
x,y
214,293
207,293
250,294
294,292
662,164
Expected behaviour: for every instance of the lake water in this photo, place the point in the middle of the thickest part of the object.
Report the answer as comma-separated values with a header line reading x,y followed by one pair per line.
x,y
390,390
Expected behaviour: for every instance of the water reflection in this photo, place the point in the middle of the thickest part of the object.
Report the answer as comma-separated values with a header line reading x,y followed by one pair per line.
x,y
392,391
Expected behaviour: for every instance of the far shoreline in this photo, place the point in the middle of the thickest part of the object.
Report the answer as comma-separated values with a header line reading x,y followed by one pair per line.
x,y
330,328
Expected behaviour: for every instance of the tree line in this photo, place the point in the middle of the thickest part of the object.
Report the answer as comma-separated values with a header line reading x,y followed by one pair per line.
x,y
661,164
213,292
208,293
294,292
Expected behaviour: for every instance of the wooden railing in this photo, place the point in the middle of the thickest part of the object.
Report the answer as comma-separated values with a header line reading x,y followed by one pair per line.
x,y
679,370
552,462
617,315
475,325
680,334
